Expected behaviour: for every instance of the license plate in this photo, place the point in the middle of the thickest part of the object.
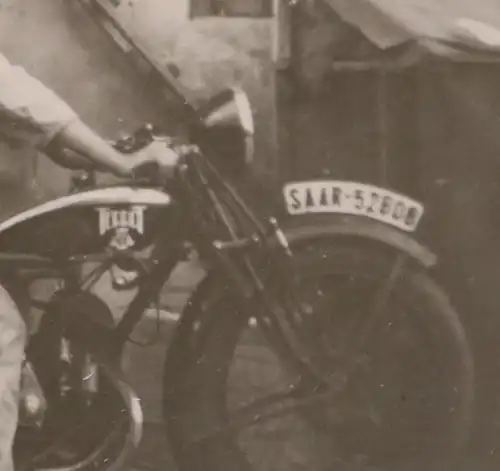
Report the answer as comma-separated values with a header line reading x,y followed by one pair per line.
x,y
353,198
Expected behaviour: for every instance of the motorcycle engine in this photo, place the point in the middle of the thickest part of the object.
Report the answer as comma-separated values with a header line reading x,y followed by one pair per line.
x,y
61,382
73,330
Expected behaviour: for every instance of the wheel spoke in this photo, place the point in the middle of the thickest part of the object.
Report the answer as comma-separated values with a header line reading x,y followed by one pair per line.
x,y
380,302
271,407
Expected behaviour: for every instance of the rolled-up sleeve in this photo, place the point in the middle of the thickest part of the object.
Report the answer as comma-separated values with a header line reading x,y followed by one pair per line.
x,y
30,113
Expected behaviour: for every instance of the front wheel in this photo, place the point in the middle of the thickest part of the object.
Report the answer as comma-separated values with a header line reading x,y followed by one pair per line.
x,y
401,398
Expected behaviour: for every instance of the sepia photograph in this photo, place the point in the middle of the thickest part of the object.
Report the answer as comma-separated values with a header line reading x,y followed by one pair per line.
x,y
249,235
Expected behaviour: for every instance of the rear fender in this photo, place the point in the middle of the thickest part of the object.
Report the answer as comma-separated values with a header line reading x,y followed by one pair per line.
x,y
185,340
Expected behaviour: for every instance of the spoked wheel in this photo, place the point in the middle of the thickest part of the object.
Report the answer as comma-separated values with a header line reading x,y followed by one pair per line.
x,y
387,379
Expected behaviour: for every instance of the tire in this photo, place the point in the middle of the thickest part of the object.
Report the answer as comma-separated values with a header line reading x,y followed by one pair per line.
x,y
198,400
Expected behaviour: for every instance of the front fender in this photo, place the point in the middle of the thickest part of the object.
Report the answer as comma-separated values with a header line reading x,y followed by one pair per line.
x,y
184,342
299,229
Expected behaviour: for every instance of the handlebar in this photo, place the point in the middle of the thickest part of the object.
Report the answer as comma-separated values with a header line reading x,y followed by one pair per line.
x,y
140,139
85,170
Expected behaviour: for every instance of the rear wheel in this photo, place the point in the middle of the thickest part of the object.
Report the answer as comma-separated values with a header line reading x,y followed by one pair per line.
x,y
400,399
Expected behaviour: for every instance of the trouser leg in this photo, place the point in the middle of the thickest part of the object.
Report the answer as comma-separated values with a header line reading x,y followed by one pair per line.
x,y
12,343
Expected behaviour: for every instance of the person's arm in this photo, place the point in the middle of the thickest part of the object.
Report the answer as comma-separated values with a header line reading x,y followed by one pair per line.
x,y
80,138
77,136
33,114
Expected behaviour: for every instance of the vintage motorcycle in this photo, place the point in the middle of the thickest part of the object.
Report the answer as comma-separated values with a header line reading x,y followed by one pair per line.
x,y
322,336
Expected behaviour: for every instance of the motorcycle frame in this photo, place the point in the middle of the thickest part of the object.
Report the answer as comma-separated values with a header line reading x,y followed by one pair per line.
x,y
40,268
192,177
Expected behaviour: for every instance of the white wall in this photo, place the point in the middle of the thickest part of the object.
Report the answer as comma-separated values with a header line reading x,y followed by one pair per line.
x,y
211,54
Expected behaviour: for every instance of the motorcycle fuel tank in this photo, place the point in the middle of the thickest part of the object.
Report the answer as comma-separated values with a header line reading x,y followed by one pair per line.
x,y
89,222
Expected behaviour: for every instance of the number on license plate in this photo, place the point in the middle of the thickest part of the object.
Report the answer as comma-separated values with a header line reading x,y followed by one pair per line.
x,y
353,198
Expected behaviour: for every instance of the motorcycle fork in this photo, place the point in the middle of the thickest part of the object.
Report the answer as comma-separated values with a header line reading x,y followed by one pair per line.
x,y
261,303
246,281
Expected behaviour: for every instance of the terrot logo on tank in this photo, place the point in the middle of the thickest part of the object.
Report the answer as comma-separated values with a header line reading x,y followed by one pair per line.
x,y
123,224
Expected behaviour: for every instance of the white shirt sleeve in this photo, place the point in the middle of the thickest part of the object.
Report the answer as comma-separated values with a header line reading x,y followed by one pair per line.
x,y
30,113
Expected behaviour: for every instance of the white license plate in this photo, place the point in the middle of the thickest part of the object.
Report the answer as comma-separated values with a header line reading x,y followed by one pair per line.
x,y
353,198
